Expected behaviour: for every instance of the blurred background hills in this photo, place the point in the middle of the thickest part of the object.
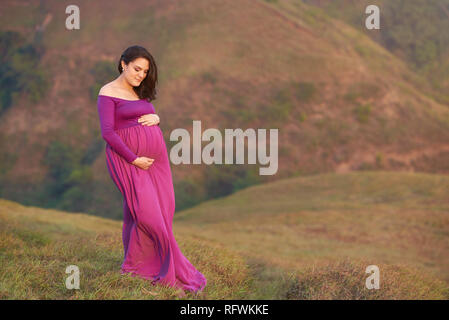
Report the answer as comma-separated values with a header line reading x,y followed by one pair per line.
x,y
344,98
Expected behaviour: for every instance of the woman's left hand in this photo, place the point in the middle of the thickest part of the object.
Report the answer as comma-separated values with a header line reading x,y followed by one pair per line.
x,y
149,119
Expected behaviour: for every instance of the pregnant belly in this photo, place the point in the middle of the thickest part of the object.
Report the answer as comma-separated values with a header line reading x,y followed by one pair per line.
x,y
144,141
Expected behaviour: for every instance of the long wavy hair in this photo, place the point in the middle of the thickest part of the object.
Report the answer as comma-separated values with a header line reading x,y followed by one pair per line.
x,y
147,88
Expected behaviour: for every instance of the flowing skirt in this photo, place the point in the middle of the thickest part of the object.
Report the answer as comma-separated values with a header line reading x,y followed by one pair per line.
x,y
150,248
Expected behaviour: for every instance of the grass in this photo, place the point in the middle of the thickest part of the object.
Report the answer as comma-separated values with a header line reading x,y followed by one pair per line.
x,y
345,280
384,217
299,238
37,245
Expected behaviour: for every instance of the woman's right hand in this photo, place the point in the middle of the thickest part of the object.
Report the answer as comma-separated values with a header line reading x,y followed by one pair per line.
x,y
143,162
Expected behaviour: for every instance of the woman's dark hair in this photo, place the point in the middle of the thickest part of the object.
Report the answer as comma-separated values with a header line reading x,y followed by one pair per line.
x,y
147,88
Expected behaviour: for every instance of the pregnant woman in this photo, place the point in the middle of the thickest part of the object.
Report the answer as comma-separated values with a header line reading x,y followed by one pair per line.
x,y
138,163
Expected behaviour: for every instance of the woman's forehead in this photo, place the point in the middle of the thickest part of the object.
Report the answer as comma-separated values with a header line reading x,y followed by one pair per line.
x,y
141,63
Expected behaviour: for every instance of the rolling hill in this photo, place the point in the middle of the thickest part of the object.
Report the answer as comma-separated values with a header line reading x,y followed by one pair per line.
x,y
382,217
37,245
298,238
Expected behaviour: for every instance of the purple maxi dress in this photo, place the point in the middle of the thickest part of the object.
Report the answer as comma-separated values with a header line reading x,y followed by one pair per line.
x,y
150,249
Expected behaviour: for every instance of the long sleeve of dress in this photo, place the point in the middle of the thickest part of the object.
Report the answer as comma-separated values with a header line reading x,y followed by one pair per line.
x,y
106,112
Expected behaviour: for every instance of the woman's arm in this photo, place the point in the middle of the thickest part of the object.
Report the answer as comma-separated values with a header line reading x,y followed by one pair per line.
x,y
106,112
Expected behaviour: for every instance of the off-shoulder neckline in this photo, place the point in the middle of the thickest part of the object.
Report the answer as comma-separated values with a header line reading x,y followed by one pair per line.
x,y
102,95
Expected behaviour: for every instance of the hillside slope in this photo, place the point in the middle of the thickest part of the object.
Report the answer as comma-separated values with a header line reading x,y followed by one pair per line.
x,y
300,238
341,101
412,30
380,217
37,245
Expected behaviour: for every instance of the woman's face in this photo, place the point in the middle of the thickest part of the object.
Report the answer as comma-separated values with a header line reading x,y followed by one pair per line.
x,y
136,71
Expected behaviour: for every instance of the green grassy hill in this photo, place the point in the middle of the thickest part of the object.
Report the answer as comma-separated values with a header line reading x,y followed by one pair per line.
x,y
299,238
36,246
315,222
384,217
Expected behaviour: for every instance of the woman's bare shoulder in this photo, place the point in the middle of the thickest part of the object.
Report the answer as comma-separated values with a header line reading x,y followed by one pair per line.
x,y
107,90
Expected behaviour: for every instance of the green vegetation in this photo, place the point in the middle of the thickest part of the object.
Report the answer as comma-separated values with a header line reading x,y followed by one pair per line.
x,y
69,183
239,112
93,150
304,91
362,91
223,180
284,100
209,77
410,29
102,72
279,109
20,70
239,115
7,159
302,117
188,193
362,112
327,133
380,160
414,28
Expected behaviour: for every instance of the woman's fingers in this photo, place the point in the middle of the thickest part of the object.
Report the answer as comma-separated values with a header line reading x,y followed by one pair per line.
x,y
153,119
150,162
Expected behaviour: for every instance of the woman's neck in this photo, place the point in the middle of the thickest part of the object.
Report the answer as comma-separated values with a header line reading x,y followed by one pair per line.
x,y
124,84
